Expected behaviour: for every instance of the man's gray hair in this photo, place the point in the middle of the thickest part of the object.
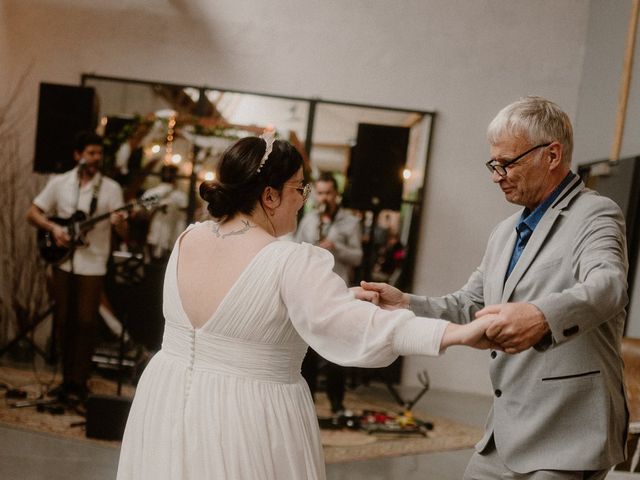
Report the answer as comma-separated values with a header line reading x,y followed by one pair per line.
x,y
537,120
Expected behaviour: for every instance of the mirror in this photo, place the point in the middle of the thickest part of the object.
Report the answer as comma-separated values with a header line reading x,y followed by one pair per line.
x,y
149,126
377,154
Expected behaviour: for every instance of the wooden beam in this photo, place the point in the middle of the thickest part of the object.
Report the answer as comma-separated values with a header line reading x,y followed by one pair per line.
x,y
412,119
625,82
333,146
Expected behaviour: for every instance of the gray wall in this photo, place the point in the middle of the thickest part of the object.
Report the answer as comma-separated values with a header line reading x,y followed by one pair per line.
x,y
464,59
598,103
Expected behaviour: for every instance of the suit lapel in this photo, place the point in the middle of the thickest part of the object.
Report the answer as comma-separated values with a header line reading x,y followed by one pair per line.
x,y
539,236
502,262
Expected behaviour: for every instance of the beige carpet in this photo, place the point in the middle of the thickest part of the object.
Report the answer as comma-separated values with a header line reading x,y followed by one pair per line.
x,y
339,445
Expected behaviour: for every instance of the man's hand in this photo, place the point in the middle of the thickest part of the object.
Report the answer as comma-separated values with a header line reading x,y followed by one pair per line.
x,y
515,326
327,244
60,235
117,218
390,297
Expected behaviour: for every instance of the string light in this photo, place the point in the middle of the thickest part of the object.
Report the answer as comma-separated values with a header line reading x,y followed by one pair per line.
x,y
155,149
209,176
168,156
406,174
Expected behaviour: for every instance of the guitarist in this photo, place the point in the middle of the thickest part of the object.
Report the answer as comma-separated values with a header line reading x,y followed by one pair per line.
x,y
77,283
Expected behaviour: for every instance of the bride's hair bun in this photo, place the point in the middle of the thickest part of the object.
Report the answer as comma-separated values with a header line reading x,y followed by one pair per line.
x,y
219,198
239,184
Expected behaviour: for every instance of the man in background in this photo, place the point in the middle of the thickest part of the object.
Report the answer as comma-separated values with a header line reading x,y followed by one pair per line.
x,y
338,231
77,282
168,220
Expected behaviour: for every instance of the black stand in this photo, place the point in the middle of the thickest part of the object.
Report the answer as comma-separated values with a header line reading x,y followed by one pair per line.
x,y
107,414
407,405
123,321
23,335
370,253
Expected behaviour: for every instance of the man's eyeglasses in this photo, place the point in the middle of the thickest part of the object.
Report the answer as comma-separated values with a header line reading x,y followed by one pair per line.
x,y
303,190
501,167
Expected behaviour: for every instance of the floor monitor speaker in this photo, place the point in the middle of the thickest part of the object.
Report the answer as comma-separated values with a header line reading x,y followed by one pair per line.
x,y
107,416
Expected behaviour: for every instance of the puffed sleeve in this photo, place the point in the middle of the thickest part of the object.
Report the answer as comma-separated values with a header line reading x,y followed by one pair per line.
x,y
342,329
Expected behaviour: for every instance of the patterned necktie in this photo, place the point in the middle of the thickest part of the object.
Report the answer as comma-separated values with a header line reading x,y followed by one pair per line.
x,y
524,233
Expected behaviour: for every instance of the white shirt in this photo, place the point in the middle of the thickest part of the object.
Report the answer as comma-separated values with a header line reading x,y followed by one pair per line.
x,y
343,231
169,222
61,197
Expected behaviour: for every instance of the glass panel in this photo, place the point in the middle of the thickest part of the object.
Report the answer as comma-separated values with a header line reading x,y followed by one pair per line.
x,y
149,126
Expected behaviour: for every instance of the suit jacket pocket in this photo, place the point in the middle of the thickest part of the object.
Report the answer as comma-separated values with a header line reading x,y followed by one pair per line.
x,y
576,381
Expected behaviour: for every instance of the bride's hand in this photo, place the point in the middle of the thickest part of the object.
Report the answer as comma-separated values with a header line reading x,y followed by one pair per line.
x,y
470,334
366,295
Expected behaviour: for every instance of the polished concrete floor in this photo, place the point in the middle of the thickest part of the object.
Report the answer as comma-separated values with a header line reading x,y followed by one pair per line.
x,y
27,455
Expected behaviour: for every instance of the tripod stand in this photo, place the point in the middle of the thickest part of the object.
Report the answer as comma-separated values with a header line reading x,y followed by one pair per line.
x,y
23,335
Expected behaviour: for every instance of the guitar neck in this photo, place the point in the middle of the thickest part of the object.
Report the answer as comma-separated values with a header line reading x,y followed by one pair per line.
x,y
93,220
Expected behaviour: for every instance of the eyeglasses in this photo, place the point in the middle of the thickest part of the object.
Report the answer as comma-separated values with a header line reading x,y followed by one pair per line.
x,y
501,168
303,190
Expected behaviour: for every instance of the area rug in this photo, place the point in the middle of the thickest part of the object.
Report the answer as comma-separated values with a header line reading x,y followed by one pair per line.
x,y
339,445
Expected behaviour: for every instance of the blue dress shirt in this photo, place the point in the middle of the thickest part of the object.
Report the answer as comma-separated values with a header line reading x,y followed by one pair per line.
x,y
529,220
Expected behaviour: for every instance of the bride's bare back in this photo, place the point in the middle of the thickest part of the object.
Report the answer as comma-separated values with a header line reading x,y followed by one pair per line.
x,y
210,261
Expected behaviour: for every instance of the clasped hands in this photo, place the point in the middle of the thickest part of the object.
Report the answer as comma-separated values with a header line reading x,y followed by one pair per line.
x,y
509,327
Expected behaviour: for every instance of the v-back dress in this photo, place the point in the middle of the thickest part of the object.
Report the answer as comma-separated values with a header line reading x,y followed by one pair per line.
x,y
227,400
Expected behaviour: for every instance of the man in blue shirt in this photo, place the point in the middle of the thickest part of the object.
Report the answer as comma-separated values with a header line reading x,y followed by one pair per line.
x,y
553,278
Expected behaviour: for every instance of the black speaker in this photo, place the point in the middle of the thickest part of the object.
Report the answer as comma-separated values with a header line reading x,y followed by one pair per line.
x,y
375,173
107,416
63,111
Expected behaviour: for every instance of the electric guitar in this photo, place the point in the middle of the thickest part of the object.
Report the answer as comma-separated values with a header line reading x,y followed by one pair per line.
x,y
77,225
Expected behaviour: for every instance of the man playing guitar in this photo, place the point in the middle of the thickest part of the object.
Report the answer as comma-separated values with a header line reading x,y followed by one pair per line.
x,y
77,282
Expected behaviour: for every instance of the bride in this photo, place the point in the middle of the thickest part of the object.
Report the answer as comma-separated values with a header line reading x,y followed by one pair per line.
x,y
224,398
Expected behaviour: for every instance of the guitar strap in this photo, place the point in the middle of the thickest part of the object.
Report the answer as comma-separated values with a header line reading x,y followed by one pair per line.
x,y
94,198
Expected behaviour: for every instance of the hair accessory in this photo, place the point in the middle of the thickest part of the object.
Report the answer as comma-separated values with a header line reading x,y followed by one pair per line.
x,y
269,136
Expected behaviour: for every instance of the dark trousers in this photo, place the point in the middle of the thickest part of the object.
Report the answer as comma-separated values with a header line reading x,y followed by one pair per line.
x,y
335,378
77,298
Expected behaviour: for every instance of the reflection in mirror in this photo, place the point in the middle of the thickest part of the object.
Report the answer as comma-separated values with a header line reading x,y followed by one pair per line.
x,y
372,153
167,139
151,126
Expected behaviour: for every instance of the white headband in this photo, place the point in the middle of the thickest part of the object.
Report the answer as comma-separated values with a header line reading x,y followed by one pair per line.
x,y
269,136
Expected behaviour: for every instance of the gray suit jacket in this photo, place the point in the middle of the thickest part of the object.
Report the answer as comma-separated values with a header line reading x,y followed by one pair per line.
x,y
344,232
560,405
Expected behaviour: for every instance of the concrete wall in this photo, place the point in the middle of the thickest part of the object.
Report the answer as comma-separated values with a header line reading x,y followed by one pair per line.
x,y
463,59
598,103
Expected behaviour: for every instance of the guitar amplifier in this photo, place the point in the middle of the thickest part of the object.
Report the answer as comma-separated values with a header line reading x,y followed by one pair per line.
x,y
107,416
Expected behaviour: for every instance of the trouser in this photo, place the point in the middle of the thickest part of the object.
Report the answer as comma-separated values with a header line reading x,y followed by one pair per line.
x,y
77,298
489,466
335,378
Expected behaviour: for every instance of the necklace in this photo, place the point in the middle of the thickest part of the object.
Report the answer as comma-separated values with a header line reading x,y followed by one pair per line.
x,y
216,229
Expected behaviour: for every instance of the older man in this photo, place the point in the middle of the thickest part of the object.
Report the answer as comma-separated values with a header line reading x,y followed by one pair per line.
x,y
554,278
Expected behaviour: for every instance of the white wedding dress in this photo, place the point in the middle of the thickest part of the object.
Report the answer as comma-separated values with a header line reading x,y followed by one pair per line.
x,y
227,401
